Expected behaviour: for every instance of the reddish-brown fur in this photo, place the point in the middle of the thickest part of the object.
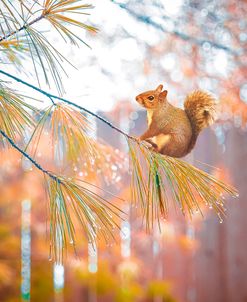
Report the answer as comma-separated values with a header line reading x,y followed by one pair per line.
x,y
171,130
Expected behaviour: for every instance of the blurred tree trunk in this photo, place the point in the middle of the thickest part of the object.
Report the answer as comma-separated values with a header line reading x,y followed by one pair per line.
x,y
221,262
236,223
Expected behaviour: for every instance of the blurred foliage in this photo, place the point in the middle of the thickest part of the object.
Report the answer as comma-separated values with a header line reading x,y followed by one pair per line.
x,y
42,281
162,289
110,285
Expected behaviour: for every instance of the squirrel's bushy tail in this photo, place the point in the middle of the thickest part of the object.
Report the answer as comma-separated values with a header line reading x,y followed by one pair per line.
x,y
200,107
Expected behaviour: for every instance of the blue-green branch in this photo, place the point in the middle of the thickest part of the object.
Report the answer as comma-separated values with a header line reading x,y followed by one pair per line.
x,y
26,155
52,96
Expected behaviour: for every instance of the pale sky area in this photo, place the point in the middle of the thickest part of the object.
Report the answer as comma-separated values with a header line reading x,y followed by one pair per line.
x,y
112,70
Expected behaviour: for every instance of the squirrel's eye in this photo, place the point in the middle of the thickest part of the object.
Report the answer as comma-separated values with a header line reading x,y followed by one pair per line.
x,y
151,98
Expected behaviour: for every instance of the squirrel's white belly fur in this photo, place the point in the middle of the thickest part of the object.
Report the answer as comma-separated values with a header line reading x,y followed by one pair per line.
x,y
161,139
149,116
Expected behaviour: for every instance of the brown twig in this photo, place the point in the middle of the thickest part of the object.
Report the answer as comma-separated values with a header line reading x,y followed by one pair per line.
x,y
22,28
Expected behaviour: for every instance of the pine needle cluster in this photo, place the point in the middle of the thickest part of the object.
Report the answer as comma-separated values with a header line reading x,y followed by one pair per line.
x,y
158,181
19,33
72,199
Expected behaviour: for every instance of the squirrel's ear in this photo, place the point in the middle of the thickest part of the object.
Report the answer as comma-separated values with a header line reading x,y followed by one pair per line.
x,y
159,88
163,94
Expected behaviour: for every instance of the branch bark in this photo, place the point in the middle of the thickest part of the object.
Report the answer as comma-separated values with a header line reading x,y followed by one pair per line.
x,y
26,155
52,96
22,28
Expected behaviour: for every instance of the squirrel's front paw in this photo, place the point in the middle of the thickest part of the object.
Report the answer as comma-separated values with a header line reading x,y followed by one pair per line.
x,y
151,145
137,139
147,143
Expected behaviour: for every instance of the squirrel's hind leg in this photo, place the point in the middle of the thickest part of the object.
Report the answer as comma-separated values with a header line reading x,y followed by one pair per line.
x,y
172,147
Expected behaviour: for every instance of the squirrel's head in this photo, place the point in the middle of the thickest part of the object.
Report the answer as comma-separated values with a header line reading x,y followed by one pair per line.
x,y
153,98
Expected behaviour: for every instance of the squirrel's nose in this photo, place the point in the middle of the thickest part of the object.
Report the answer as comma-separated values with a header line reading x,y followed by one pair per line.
x,y
138,99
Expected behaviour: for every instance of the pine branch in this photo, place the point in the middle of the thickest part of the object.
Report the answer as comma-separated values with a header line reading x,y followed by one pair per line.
x,y
44,55
52,96
14,115
187,184
26,155
25,26
158,180
72,197
52,12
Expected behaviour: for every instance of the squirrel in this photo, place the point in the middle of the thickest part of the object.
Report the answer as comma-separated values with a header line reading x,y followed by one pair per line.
x,y
173,131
